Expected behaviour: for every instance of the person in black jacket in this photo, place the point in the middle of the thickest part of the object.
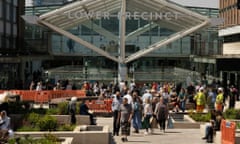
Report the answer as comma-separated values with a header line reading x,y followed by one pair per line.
x,y
72,110
215,125
84,110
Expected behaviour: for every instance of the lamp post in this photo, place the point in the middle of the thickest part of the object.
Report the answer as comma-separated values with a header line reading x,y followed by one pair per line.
x,y
132,69
86,70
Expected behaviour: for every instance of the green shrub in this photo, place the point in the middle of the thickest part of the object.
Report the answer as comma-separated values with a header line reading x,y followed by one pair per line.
x,y
47,123
50,137
199,117
238,114
230,114
28,128
33,118
66,127
63,108
238,125
47,139
52,111
39,111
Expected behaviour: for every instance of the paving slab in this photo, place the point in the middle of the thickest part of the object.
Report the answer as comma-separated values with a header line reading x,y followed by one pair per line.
x,y
171,136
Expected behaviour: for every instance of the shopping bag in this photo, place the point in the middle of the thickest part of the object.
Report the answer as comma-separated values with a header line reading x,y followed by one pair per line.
x,y
153,122
144,124
169,123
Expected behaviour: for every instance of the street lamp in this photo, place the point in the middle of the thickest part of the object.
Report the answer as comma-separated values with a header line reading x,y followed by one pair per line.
x,y
132,69
86,70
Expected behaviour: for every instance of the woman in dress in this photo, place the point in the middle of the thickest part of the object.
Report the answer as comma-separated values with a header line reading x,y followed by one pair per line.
x,y
125,117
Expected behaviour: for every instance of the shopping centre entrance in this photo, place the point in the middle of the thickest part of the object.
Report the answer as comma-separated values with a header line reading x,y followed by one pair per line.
x,y
92,14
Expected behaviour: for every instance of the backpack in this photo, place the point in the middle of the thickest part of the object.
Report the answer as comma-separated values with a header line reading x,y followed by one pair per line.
x,y
161,113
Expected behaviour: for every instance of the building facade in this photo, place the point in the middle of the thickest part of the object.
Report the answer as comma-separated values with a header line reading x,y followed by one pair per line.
x,y
195,53
11,42
229,32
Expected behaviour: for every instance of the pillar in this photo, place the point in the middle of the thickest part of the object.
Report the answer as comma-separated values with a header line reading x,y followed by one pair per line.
x,y
122,72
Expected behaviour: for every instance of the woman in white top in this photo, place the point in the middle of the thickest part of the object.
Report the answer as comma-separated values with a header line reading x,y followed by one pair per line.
x,y
147,114
5,126
5,121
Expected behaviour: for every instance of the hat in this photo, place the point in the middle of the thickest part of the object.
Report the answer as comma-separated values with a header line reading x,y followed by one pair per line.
x,y
201,88
74,99
220,89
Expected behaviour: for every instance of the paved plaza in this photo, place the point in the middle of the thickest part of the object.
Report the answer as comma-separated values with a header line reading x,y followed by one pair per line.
x,y
172,136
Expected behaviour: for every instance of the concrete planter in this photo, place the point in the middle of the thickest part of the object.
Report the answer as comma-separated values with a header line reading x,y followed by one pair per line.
x,y
183,121
17,119
90,135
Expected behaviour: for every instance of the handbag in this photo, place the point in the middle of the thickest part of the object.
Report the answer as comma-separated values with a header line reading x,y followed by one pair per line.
x,y
153,122
169,123
144,124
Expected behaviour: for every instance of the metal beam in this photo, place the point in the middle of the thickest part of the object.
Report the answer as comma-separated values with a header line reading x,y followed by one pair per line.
x,y
122,31
79,40
165,42
64,9
175,25
189,18
77,21
140,31
183,10
100,30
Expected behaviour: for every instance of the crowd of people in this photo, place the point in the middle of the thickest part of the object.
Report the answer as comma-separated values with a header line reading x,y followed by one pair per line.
x,y
132,105
138,105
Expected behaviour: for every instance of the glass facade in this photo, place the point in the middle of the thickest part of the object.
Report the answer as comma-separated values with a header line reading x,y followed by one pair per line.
x,y
8,24
10,11
176,54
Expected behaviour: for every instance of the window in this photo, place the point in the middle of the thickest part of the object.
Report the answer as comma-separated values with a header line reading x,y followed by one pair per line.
x,y
14,43
0,40
14,14
6,42
8,28
7,11
1,26
1,3
15,30
15,2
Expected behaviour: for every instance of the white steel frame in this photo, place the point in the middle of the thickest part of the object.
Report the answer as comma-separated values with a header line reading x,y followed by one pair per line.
x,y
58,21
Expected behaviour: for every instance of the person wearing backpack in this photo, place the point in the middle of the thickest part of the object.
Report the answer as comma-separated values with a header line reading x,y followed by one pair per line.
x,y
161,112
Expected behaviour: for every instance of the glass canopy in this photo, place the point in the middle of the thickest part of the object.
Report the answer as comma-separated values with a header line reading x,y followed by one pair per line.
x,y
180,21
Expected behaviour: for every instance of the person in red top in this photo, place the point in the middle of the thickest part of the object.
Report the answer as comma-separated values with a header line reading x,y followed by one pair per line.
x,y
154,86
86,85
